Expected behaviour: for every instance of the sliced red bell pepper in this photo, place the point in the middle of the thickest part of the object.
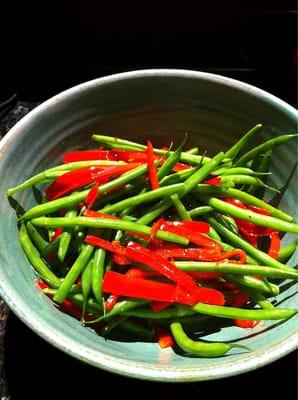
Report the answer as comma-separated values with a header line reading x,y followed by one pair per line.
x,y
181,167
120,259
157,306
274,247
96,214
163,336
239,301
84,176
243,323
196,237
114,247
197,226
111,301
216,181
133,156
123,285
151,167
205,276
91,196
56,234
140,254
86,155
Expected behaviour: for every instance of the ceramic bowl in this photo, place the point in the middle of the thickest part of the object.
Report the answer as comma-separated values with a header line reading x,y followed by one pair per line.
x,y
161,105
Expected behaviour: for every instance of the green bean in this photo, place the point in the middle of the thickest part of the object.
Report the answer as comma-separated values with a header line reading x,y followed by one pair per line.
x,y
247,215
239,269
194,150
249,281
169,313
214,235
181,210
237,171
257,297
201,210
171,160
198,348
36,237
240,145
287,251
50,248
155,211
178,177
142,198
92,222
231,180
243,244
34,258
245,197
263,167
65,237
240,313
42,176
97,274
122,307
136,329
86,283
262,148
73,273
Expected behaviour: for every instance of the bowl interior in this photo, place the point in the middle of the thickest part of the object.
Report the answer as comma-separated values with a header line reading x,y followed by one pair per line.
x,y
161,106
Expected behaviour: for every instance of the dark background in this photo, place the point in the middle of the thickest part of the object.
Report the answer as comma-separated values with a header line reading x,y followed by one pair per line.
x,y
48,47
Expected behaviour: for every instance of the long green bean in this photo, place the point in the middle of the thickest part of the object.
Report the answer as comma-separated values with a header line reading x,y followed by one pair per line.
x,y
240,145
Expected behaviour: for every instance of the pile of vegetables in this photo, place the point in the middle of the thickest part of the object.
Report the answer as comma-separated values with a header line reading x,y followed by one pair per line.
x,y
151,242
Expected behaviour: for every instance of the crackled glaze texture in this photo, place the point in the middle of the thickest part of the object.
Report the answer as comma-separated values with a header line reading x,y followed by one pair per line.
x,y
161,105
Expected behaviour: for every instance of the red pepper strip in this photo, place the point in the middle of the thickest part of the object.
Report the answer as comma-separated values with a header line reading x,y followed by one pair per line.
x,y
274,247
133,156
151,167
84,176
163,336
197,226
239,301
96,214
157,306
216,181
41,284
205,276
181,167
86,155
111,301
56,234
123,285
249,230
114,247
91,196
120,260
140,254
258,210
196,237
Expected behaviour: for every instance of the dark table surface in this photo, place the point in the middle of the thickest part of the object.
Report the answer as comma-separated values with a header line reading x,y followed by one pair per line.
x,y
30,368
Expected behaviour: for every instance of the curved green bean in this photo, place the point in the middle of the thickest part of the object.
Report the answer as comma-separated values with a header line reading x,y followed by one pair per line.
x,y
97,274
34,258
198,348
65,237
36,237
262,148
238,146
287,251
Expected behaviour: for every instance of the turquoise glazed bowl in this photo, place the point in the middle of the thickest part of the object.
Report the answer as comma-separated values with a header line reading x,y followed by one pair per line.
x,y
161,105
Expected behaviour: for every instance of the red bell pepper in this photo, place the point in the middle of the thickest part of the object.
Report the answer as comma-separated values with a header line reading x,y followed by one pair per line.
x,y
111,301
86,155
157,306
163,336
181,167
151,167
205,276
114,247
274,247
140,254
96,214
133,156
123,285
84,176
56,234
91,196
216,181
239,301
196,237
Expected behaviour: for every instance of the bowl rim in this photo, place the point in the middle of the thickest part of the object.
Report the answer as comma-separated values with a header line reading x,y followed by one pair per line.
x,y
123,366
